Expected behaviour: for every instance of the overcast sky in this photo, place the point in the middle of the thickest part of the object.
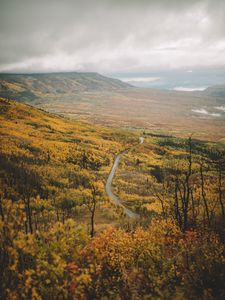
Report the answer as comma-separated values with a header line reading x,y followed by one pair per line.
x,y
111,35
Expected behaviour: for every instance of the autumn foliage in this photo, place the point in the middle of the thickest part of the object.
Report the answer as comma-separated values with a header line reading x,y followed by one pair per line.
x,y
61,237
63,263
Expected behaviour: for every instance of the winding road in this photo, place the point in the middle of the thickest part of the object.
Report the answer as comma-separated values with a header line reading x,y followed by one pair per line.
x,y
108,186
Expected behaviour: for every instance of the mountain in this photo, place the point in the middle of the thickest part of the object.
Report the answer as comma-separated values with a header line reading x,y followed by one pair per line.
x,y
216,91
29,87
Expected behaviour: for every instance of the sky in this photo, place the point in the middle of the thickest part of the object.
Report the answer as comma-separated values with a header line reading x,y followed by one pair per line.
x,y
110,36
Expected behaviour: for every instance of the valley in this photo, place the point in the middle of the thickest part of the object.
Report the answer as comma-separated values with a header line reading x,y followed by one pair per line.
x,y
105,179
109,102
112,150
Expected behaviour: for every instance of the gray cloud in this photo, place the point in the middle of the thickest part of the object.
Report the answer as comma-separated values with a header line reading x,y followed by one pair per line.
x,y
111,35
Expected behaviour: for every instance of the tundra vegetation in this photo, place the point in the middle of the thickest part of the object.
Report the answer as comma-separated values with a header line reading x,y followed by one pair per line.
x,y
62,238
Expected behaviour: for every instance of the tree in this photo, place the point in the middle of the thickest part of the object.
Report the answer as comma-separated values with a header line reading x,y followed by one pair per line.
x,y
203,193
218,162
94,195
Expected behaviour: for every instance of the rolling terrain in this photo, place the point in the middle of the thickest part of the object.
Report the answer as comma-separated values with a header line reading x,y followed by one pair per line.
x,y
36,87
55,159
112,184
62,238
216,91
100,100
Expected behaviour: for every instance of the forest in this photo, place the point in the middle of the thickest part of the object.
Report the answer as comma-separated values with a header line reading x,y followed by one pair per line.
x,y
61,237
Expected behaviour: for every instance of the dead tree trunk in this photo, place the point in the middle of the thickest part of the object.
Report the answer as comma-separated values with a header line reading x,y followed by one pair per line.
x,y
220,191
204,194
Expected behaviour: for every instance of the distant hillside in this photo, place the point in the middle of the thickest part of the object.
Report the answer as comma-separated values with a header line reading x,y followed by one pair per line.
x,y
216,91
28,87
105,101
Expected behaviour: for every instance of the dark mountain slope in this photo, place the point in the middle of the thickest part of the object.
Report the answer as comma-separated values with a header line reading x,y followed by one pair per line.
x,y
215,91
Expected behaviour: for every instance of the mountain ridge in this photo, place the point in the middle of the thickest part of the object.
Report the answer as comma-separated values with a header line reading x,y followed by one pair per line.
x,y
25,87
215,91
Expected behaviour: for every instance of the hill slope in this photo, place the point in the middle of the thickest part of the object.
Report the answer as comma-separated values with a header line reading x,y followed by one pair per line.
x,y
28,87
216,91
52,174
53,158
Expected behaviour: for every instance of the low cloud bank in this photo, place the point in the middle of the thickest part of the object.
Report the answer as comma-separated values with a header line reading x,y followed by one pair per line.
x,y
203,111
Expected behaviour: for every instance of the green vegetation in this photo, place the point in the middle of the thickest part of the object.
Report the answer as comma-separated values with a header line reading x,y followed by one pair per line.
x,y
61,237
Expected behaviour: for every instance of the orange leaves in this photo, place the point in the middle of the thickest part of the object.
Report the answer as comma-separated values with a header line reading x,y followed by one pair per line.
x,y
117,259
159,262
34,265
156,263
